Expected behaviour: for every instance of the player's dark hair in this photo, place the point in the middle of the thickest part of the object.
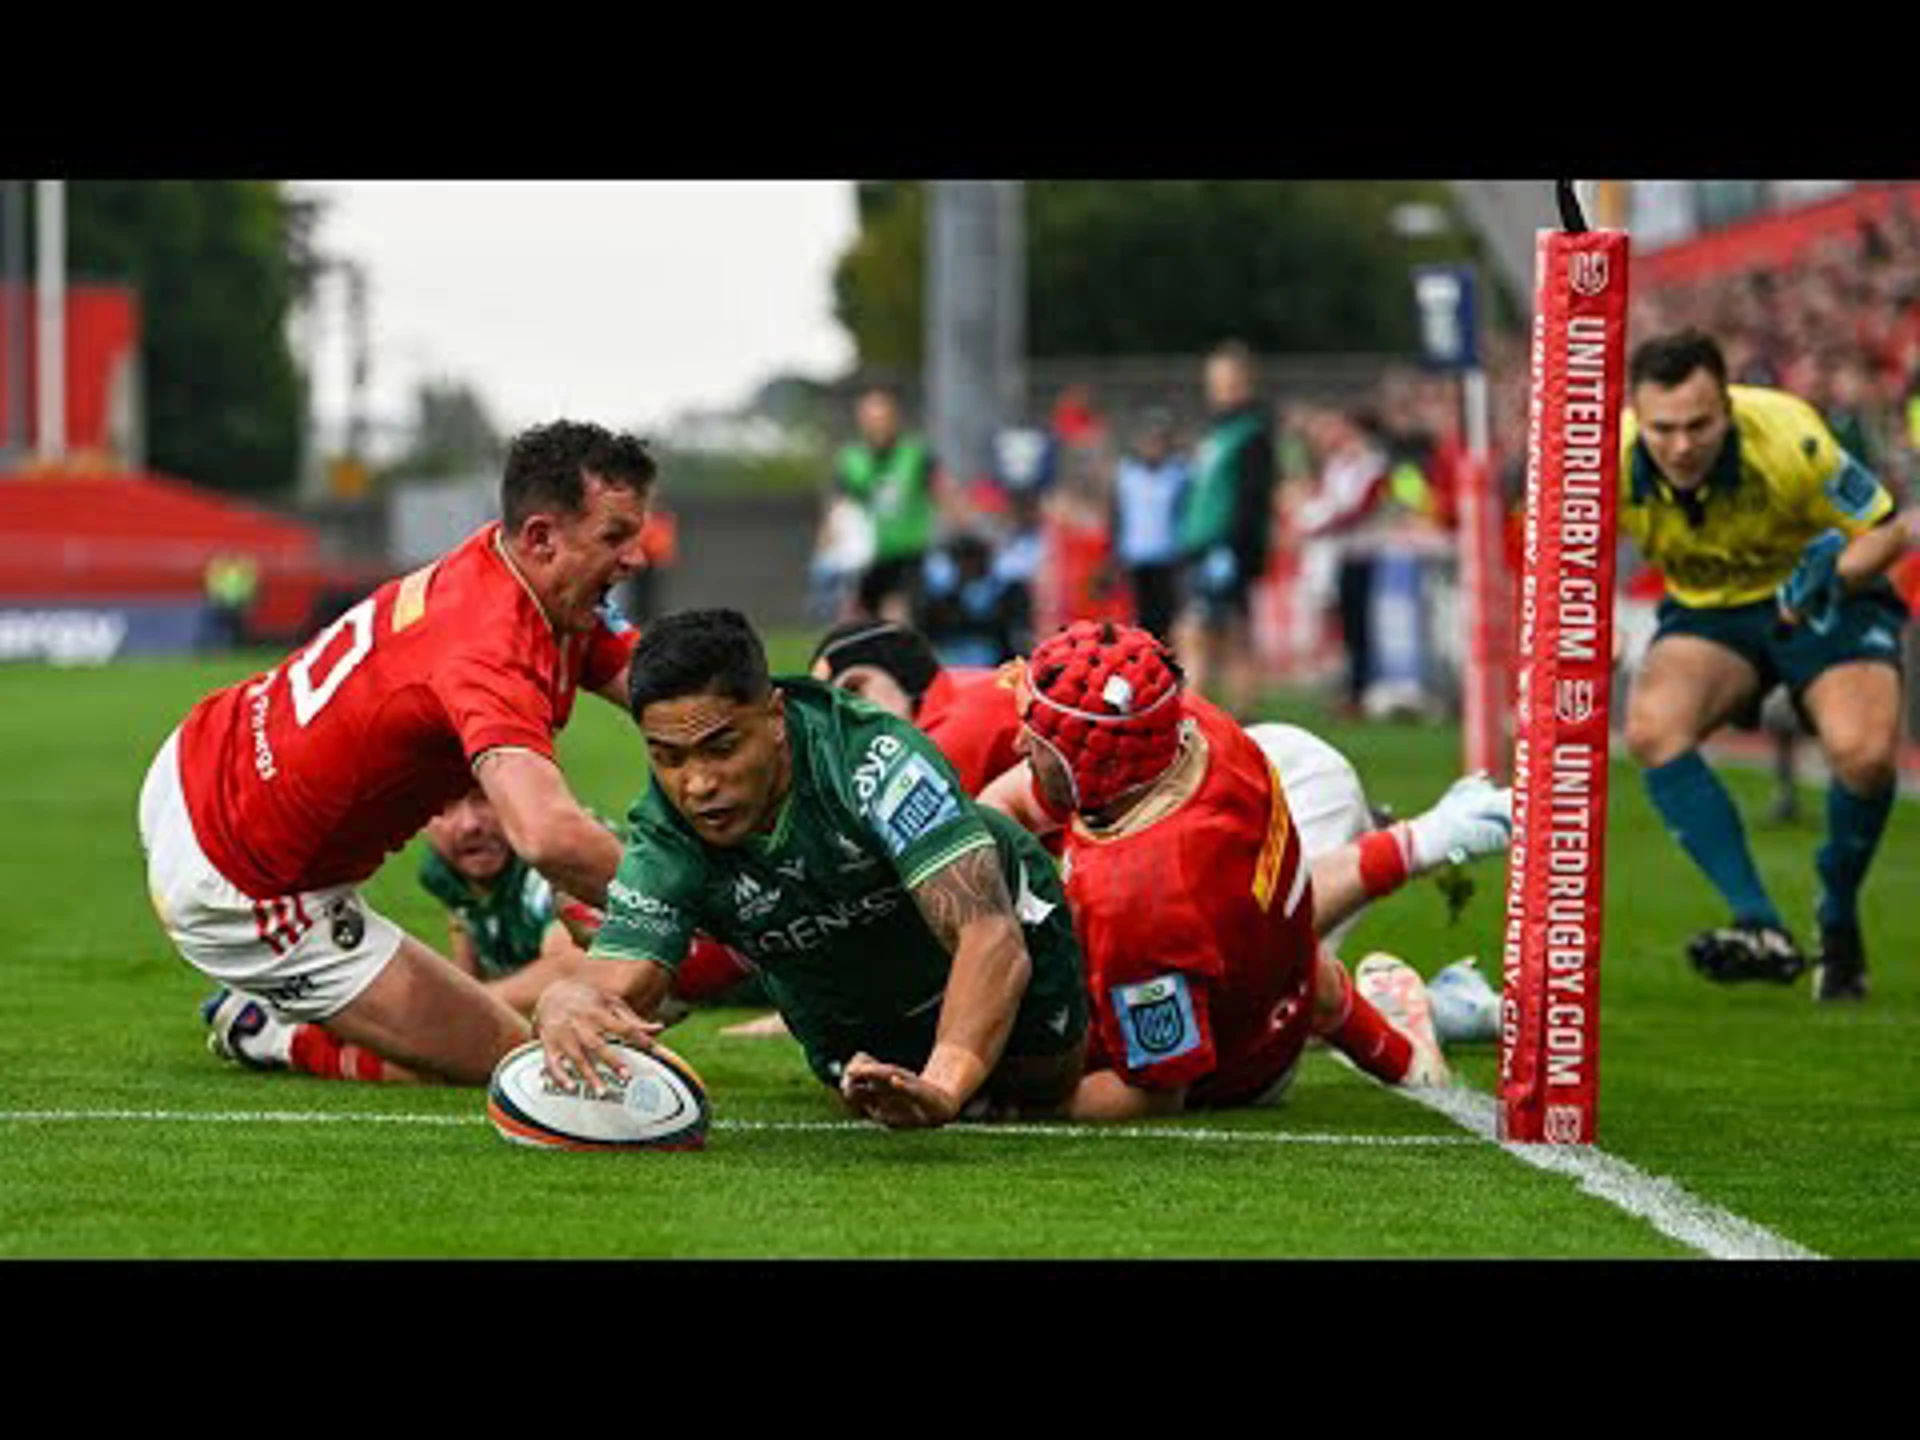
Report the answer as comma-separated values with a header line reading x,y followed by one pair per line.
x,y
1667,360
547,467
900,650
697,652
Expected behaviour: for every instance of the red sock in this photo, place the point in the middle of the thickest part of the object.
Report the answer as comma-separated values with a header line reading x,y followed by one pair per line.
x,y
317,1051
1366,1037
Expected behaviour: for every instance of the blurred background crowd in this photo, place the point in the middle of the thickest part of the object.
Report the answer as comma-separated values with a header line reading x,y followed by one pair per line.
x,y
1358,591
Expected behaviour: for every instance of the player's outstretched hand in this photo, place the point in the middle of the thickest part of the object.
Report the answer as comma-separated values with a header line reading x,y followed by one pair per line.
x,y
575,1021
1474,818
894,1097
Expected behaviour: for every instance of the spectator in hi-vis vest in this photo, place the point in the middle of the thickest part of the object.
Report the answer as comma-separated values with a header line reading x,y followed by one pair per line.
x,y
890,475
232,581
1224,529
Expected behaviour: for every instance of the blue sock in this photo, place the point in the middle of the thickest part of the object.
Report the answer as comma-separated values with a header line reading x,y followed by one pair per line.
x,y
1854,826
1699,814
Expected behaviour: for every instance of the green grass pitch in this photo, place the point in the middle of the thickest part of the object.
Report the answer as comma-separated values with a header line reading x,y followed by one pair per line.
x,y
121,1137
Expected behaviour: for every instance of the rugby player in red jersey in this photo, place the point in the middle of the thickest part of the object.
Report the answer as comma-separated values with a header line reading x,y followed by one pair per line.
x,y
277,797
973,716
1191,893
968,713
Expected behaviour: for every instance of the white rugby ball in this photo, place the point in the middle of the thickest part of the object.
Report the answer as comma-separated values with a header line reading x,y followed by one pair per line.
x,y
661,1106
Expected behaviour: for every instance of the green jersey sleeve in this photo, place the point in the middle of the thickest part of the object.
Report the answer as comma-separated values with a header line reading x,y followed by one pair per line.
x,y
909,796
650,901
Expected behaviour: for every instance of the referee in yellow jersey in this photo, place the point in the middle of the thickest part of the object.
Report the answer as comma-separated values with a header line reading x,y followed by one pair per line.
x,y
1774,543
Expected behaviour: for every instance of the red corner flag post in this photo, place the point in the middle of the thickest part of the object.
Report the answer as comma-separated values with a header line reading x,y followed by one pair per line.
x,y
1549,1031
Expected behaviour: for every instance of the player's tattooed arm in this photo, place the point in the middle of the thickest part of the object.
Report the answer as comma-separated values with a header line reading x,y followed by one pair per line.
x,y
961,892
966,905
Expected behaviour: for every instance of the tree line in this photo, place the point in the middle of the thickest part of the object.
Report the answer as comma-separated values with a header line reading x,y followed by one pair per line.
x,y
1114,268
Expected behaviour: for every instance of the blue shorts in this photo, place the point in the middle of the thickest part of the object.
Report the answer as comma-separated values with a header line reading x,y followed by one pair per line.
x,y
1867,626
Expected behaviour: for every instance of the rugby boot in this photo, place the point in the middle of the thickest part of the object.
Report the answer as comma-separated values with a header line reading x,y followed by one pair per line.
x,y
1747,950
1396,990
1841,971
240,1029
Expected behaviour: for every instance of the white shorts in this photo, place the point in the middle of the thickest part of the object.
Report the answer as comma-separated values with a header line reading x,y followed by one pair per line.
x,y
1324,794
306,956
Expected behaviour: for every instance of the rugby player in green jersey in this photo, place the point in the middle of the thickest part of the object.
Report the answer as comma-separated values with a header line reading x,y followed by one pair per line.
x,y
506,926
512,931
918,946
1774,544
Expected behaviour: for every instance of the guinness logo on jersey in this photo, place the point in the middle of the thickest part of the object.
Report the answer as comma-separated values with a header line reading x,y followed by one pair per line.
x,y
349,926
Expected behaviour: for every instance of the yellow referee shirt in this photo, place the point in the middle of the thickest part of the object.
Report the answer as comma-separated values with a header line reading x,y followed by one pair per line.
x,y
1780,479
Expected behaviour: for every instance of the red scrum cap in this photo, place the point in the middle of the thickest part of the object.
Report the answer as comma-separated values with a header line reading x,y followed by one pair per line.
x,y
1104,698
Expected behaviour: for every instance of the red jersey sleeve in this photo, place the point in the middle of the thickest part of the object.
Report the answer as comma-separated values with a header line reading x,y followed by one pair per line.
x,y
608,652
1159,1033
975,722
493,703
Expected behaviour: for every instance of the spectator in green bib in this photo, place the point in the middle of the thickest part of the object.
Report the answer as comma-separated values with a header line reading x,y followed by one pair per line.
x,y
889,473
1224,532
232,582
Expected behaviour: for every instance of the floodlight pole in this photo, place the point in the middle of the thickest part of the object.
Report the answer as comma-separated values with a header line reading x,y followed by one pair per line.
x,y
51,368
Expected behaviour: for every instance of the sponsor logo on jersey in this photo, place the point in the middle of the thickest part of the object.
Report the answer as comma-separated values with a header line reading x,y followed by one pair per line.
x,y
1273,850
753,900
794,869
1853,488
1156,1019
852,857
916,801
348,923
256,695
289,992
873,766
810,932
644,911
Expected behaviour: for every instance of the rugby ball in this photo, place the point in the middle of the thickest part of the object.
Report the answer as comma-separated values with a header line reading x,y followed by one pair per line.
x,y
661,1106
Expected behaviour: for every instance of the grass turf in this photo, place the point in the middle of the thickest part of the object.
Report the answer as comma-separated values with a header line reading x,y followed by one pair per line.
x,y
1804,1119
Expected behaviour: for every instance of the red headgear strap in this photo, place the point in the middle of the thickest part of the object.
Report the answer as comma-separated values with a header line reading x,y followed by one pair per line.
x,y
1104,698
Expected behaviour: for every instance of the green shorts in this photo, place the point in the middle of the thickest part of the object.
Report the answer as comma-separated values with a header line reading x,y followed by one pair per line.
x,y
1867,627
1051,1020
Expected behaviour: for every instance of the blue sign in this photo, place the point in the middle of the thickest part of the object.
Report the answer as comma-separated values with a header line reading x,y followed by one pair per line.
x,y
92,632
1444,300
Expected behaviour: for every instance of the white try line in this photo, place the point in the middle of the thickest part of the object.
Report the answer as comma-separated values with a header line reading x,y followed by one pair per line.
x,y
1074,1132
1662,1203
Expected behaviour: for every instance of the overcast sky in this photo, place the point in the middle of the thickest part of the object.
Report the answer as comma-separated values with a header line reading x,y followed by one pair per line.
x,y
625,302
